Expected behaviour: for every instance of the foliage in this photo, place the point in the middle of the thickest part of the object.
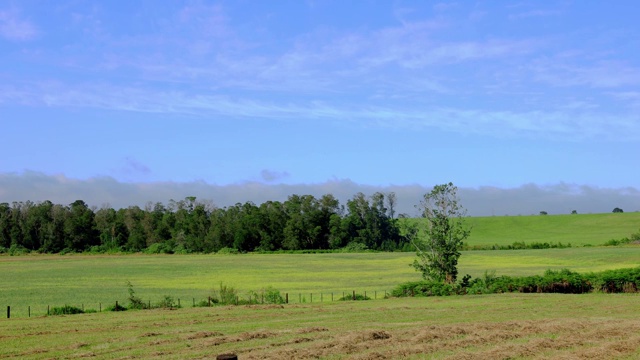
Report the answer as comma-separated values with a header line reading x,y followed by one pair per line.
x,y
134,301
302,222
273,296
618,210
226,295
443,234
167,302
65,310
357,297
562,281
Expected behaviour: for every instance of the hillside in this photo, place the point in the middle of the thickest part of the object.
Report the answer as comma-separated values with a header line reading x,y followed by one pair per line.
x,y
579,229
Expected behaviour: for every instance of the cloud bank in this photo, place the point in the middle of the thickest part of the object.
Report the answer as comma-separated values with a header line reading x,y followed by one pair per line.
x,y
527,199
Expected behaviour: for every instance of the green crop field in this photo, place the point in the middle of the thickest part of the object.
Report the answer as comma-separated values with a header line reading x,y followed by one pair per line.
x,y
506,326
89,280
578,230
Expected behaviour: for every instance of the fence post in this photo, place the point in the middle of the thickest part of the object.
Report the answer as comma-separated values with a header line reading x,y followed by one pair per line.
x,y
365,295
194,302
311,297
8,312
149,305
178,302
354,294
286,296
209,301
100,305
29,311
47,310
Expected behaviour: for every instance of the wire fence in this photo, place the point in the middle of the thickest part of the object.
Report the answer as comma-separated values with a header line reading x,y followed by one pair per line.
x,y
210,301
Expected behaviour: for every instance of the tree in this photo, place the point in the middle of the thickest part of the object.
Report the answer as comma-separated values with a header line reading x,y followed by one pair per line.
x,y
441,236
618,210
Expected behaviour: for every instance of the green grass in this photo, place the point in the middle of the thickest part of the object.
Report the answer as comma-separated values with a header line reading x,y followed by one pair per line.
x,y
517,326
579,229
77,280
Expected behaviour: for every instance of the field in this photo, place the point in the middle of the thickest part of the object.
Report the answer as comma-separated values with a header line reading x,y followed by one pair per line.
x,y
578,230
90,280
514,326
508,326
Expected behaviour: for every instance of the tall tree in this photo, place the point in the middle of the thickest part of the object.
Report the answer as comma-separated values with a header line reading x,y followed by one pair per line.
x,y
442,234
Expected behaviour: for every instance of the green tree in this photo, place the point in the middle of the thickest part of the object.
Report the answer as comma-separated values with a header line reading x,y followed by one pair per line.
x,y
618,210
441,236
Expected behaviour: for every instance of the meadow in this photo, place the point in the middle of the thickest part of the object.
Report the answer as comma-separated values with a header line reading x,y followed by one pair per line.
x,y
577,230
90,280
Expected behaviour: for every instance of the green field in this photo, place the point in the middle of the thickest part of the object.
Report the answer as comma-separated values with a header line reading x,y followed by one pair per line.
x,y
506,326
578,230
518,326
41,280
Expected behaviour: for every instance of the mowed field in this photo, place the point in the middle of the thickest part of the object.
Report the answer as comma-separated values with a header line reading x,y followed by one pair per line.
x,y
507,326
514,326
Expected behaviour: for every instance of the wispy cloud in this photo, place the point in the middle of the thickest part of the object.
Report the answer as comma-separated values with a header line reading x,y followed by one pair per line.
x,y
272,175
14,27
528,199
566,124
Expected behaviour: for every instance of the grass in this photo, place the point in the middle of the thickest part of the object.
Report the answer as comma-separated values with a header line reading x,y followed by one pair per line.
x,y
516,326
94,281
579,229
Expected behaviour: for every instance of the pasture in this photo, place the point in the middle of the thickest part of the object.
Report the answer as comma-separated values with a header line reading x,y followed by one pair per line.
x,y
506,326
90,280
578,230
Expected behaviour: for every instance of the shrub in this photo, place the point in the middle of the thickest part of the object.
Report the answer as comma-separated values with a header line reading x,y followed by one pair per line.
x,y
425,288
66,310
355,247
273,296
134,301
352,298
16,250
167,303
227,295
159,248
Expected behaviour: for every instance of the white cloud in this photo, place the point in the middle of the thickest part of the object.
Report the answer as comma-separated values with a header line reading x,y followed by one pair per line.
x,y
15,28
528,199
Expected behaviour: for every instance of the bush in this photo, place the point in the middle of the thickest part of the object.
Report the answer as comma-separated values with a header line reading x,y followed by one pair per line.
x,y
273,296
167,303
16,250
159,248
134,301
355,247
352,298
66,310
227,295
425,288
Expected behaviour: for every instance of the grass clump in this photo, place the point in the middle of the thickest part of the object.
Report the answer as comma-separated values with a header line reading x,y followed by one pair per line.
x,y
66,310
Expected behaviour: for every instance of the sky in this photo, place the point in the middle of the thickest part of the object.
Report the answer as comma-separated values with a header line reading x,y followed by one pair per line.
x,y
525,106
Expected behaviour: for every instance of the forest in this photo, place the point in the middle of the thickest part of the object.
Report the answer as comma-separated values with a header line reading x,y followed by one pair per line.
x,y
302,222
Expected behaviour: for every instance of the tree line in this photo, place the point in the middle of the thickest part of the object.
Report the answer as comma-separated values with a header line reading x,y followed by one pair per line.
x,y
302,222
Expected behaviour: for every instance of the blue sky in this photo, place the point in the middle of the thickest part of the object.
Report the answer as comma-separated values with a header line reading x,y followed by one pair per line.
x,y
383,95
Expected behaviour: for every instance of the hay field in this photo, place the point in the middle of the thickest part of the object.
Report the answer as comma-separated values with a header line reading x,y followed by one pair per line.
x,y
506,326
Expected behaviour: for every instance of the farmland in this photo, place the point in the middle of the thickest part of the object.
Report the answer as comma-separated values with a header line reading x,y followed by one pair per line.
x,y
542,326
311,326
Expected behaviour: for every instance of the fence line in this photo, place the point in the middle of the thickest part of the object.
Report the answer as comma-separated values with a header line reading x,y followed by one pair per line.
x,y
251,299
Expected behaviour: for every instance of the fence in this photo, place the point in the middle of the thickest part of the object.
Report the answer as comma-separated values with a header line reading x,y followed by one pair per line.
x,y
252,299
